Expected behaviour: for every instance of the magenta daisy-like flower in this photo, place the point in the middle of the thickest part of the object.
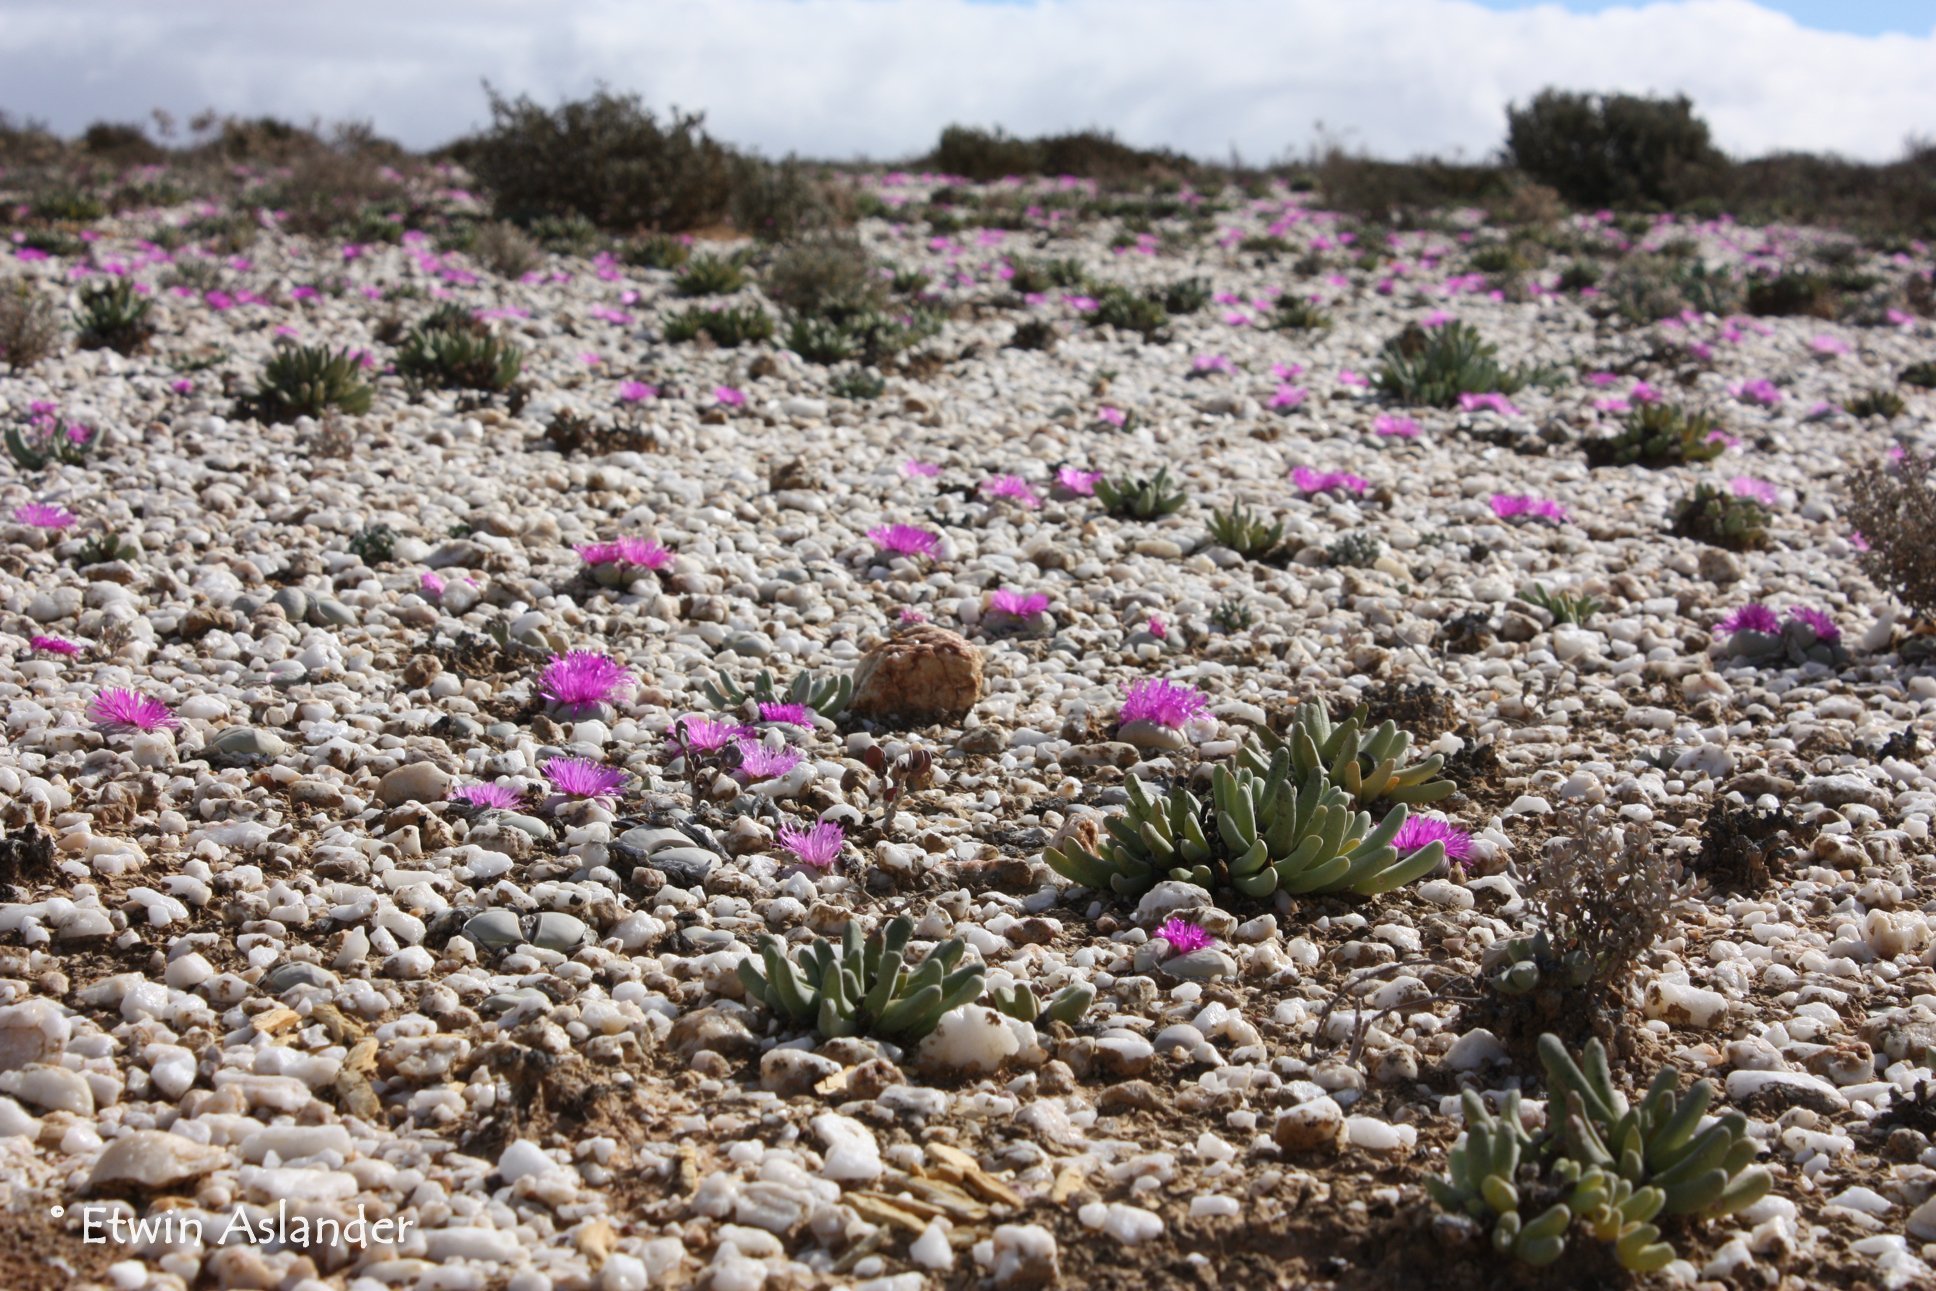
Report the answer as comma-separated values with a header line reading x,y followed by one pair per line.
x,y
817,846
920,470
1816,621
1395,427
1423,831
582,677
128,710
1012,487
1511,506
709,734
41,515
1185,936
1008,601
1309,480
787,714
1491,401
432,582
1747,486
583,778
908,614
1077,481
642,552
1752,617
730,397
904,539
55,645
1156,628
497,797
758,762
1166,703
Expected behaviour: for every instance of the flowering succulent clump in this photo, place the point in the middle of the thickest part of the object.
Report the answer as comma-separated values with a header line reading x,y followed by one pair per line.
x,y
495,797
1012,487
54,645
580,681
41,515
758,762
904,539
1185,936
818,846
121,709
583,778
1417,831
1510,506
1747,486
1310,481
1164,702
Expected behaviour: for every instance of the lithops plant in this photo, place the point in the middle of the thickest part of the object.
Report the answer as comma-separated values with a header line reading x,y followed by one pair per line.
x,y
863,986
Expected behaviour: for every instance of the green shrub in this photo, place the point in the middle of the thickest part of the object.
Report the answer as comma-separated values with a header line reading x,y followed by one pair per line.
x,y
1792,292
1657,435
114,317
1356,550
777,202
657,251
505,249
1617,150
29,326
862,986
1921,375
1433,367
607,158
1565,607
308,381
565,235
984,155
1893,507
830,276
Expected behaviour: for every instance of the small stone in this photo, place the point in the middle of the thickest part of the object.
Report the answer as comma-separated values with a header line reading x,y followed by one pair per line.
x,y
414,782
154,1159
851,1154
791,1072
1314,1126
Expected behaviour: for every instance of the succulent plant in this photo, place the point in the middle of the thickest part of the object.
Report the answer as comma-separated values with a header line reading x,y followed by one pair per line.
x,y
706,275
1657,435
1525,964
1434,367
1019,1001
1565,607
458,359
863,986
1721,519
826,696
1264,830
307,381
1369,766
114,318
1146,498
41,442
727,328
1245,534
1612,1168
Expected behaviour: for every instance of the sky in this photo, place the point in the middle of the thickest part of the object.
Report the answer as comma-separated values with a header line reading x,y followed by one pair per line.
x,y
845,79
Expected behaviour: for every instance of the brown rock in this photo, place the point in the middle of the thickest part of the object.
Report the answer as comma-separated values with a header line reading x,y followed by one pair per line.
x,y
922,674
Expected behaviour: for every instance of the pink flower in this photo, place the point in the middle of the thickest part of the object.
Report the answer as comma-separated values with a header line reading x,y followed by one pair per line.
x,y
1166,703
1762,392
1601,378
1013,487
496,797
124,710
1286,371
583,778
40,515
1074,479
1016,605
1349,378
757,762
709,734
787,714
636,392
581,679
1114,416
1185,936
1509,506
1155,627
1747,486
432,582
904,540
1309,481
1398,427
1288,396
1752,617
54,645
642,552
730,397
908,614
1828,345
1857,541
1491,401
1817,622
183,386
920,470
1423,831
818,846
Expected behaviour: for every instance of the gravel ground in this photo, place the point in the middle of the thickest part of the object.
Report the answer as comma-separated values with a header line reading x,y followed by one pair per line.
x,y
260,966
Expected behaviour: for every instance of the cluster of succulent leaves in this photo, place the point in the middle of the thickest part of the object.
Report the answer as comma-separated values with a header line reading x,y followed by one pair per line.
x,y
1607,1167
1247,535
1293,313
374,544
1721,519
708,275
1432,367
308,381
657,251
1131,311
1795,643
104,548
726,328
1231,615
1359,549
859,384
114,317
863,986
868,337
827,696
1148,497
34,446
1657,435
1285,814
1881,402
1020,1001
1922,375
1565,607
450,350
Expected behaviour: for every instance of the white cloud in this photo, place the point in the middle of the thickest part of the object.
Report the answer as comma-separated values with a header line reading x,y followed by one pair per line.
x,y
879,78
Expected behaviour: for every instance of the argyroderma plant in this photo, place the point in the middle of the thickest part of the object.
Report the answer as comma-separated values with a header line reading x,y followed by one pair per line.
x,y
863,986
